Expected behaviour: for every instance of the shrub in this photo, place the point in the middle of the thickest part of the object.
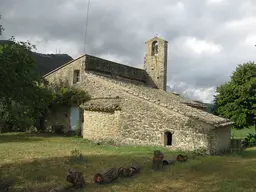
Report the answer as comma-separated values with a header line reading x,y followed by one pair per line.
x,y
249,141
77,157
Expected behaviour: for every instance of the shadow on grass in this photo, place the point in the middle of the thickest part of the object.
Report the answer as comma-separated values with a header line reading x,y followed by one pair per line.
x,y
197,174
45,174
18,137
28,137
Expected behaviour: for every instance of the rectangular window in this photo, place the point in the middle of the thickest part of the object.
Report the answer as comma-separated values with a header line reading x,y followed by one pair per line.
x,y
76,77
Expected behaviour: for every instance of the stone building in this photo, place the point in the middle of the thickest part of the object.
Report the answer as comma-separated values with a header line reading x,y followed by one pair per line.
x,y
131,105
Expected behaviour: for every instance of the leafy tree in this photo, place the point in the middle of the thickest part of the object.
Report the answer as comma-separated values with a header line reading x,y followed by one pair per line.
x,y
21,88
18,77
236,99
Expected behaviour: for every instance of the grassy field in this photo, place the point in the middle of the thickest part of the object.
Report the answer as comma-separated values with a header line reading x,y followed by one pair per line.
x,y
243,132
40,162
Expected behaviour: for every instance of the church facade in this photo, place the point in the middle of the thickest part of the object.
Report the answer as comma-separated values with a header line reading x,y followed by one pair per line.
x,y
131,106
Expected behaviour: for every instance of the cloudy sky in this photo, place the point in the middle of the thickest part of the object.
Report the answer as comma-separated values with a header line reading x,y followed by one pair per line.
x,y
207,38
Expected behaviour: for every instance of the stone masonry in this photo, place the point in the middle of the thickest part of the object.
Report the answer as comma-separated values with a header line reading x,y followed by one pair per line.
x,y
129,109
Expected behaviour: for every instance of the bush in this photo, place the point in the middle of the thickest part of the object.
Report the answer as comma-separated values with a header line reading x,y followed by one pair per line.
x,y
77,157
76,153
249,141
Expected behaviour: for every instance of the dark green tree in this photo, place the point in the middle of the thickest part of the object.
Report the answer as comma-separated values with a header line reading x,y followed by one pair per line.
x,y
236,99
22,90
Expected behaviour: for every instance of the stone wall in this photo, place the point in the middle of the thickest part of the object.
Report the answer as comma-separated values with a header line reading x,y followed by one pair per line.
x,y
66,72
145,124
101,126
220,139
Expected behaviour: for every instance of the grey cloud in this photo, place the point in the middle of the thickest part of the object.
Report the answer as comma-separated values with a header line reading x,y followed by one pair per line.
x,y
122,27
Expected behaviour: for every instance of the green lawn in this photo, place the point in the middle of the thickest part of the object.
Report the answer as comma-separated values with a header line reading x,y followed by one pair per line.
x,y
243,132
40,162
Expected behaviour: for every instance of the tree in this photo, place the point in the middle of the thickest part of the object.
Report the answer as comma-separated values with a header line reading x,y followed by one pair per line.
x,y
23,96
236,99
17,72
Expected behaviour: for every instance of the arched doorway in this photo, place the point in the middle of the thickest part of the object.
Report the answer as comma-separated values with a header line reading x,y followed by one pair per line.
x,y
167,138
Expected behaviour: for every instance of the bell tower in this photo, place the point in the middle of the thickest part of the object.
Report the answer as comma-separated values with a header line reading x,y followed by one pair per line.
x,y
155,62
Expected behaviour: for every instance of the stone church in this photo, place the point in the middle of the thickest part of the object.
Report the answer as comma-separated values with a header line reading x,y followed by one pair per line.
x,y
131,105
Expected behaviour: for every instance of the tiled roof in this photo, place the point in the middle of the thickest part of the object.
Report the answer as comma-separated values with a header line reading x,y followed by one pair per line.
x,y
169,101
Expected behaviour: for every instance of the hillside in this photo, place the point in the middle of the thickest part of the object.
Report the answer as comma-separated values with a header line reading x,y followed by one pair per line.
x,y
46,62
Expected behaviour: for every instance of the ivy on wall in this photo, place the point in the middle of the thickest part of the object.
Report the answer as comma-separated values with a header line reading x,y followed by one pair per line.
x,y
66,96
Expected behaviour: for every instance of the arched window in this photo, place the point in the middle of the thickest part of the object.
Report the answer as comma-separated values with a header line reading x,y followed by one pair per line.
x,y
168,138
154,48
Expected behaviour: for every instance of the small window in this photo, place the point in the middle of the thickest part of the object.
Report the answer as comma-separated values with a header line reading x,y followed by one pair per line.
x,y
76,77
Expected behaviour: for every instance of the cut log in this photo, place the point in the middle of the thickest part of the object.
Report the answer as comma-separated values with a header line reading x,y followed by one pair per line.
x,y
107,176
157,161
182,158
75,178
126,172
130,171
